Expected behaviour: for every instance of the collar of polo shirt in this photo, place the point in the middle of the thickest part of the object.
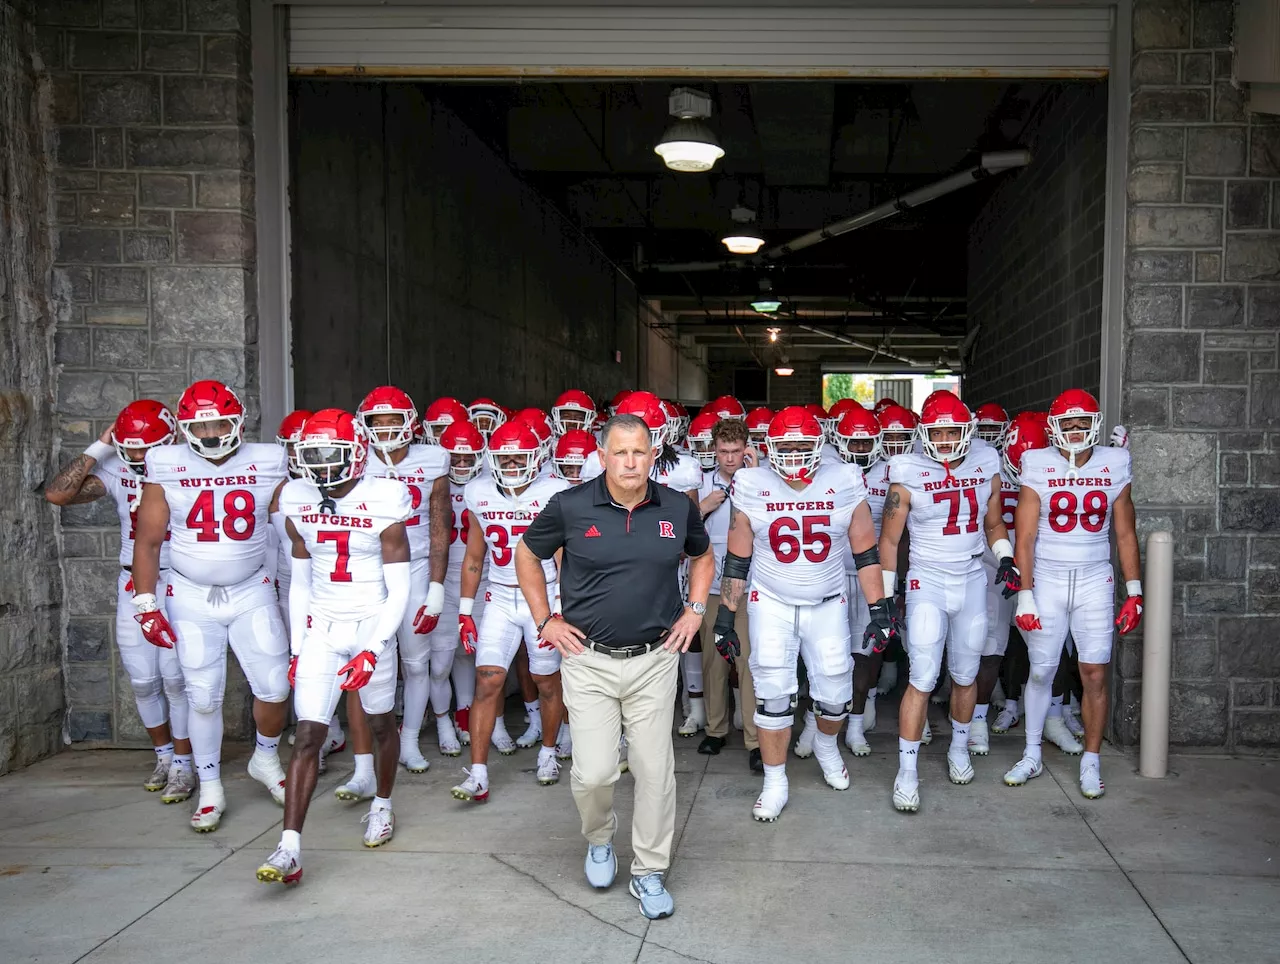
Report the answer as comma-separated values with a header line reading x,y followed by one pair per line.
x,y
653,493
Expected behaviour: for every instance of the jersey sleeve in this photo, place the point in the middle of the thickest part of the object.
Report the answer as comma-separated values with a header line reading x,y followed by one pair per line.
x,y
688,476
1034,476
399,502
899,469
745,496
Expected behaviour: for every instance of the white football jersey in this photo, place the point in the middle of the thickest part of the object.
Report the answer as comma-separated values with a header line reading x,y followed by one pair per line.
x,y
876,480
345,543
459,530
947,508
830,455
505,519
1008,506
717,523
218,513
124,486
798,558
418,471
684,476
1076,504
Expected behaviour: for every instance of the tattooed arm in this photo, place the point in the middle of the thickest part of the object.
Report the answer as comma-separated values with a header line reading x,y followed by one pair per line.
x,y
741,542
473,560
74,485
440,514
896,506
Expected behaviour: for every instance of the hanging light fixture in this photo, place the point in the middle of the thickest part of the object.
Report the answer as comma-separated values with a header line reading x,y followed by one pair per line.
x,y
766,307
744,239
773,334
689,145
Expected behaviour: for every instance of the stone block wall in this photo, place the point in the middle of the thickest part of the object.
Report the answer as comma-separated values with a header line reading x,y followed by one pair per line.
x,y
1036,259
31,683
1202,312
153,278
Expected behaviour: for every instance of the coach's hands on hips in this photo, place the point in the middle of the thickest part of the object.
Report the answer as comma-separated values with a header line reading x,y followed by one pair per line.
x,y
683,632
563,636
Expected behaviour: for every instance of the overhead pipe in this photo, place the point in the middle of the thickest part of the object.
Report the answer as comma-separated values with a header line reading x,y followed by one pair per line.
x,y
989,164
874,349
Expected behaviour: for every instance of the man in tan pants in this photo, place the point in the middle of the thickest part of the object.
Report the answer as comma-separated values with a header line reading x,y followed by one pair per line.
x,y
624,627
732,451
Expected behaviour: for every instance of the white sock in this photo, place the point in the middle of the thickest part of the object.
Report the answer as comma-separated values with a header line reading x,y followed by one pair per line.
x,y
908,754
1088,758
211,790
208,769
1036,697
445,725
364,767
960,736
775,776
165,753
1011,706
267,745
980,712
871,694
1074,704
855,724
182,760
500,726
545,752
291,840
409,738
1055,706
563,735
380,803
691,664
480,773
1032,752
826,750
335,728
810,721
531,710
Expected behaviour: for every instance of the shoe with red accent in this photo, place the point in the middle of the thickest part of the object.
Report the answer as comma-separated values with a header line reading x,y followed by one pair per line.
x,y
335,744
380,827
266,769
282,867
208,812
462,720
471,790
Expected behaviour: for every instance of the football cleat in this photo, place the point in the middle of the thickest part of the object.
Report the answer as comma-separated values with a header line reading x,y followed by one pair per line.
x,y
979,740
804,743
159,777
470,790
1072,722
906,792
532,736
548,769
335,744
926,736
1022,771
448,737
208,813
282,867
1006,720
411,759
462,720
501,739
769,804
837,779
266,769
696,720
959,767
380,827
1056,732
564,743
1091,780
179,786
356,789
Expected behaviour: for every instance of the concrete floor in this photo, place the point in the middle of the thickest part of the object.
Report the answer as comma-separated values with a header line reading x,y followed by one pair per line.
x,y
1185,869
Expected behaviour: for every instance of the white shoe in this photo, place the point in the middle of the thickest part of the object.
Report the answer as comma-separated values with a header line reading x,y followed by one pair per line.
x,y
770,803
804,743
380,827
532,735
837,779
926,736
266,769
471,789
1006,720
1056,732
623,765
697,718
159,776
208,812
501,739
959,768
979,739
869,716
356,789
906,792
411,759
564,743
1022,771
335,744
1091,780
282,867
942,695
447,737
180,785
548,769
857,742
1072,722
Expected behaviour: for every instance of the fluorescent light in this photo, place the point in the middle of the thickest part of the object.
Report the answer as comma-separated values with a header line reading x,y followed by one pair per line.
x,y
784,370
689,146
766,307
743,243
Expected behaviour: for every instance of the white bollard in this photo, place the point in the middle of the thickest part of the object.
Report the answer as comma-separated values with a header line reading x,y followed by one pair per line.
x,y
1157,656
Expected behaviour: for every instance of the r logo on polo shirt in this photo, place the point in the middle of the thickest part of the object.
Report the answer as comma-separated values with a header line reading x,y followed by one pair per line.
x,y
666,530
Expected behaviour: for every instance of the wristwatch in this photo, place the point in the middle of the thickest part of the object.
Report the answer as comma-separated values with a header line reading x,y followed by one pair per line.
x,y
699,609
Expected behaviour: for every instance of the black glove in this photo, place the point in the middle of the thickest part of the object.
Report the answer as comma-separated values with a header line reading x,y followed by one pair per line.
x,y
1008,578
726,636
882,628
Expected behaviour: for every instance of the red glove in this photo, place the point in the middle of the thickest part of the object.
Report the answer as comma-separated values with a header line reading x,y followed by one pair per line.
x,y
1027,617
293,672
468,634
156,629
359,670
1130,615
425,622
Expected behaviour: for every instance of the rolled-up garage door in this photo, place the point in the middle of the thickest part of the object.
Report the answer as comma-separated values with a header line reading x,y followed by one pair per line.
x,y
739,40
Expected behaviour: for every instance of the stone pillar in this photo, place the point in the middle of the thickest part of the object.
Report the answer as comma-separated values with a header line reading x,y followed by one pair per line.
x,y
154,263
1202,309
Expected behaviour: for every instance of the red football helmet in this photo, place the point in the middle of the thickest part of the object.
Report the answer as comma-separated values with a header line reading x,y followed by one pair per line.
x,y
140,426
841,406
881,405
993,421
821,414
897,429
331,448
618,399
701,444
537,420
388,402
515,454
648,407
440,414
211,401
858,426
286,435
1075,403
943,410
726,406
758,420
465,445
794,444
1024,434
572,452
486,415
574,409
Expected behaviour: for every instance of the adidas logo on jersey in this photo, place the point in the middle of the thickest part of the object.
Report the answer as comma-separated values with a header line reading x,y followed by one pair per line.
x,y
362,507
831,491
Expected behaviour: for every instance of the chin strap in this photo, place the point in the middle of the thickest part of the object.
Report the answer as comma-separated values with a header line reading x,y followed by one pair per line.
x,y
327,505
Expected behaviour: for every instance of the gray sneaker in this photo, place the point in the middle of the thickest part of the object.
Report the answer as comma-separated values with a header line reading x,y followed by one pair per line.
x,y
601,865
159,777
179,786
655,902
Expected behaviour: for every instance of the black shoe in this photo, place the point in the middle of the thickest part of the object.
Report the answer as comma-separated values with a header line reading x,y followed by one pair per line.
x,y
757,764
711,745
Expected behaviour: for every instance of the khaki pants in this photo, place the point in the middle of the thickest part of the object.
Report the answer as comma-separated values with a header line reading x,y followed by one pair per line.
x,y
715,676
602,695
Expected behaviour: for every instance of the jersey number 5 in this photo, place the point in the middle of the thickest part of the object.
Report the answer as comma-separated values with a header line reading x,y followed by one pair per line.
x,y
342,541
787,547
238,520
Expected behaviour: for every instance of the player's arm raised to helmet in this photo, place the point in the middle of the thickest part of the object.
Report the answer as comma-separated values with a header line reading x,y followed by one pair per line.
x,y
897,504
152,525
473,558
1026,521
441,519
1124,524
733,584
73,485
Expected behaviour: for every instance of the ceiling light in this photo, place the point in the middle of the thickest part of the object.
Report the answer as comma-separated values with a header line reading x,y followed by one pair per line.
x,y
689,145
748,243
784,370
766,307
773,333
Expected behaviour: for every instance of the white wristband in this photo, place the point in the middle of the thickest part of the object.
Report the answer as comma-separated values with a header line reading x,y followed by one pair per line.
x,y
145,602
99,451
890,582
1133,588
1002,548
465,606
435,598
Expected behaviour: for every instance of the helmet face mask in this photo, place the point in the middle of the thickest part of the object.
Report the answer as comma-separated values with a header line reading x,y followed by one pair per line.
x,y
857,437
515,455
794,444
486,415
1075,433
465,445
946,428
389,419
331,448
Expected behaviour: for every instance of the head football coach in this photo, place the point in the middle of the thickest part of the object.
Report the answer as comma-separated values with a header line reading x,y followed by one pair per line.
x,y
620,638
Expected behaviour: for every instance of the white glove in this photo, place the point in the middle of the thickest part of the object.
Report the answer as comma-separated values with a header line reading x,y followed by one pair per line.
x,y
1119,437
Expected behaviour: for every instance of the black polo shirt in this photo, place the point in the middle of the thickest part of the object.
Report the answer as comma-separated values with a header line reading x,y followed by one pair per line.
x,y
619,577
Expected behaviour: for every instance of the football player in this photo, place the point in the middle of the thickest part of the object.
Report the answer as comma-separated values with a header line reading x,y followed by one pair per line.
x,y
215,492
1073,495
573,411
993,423
347,597
797,599
486,415
115,465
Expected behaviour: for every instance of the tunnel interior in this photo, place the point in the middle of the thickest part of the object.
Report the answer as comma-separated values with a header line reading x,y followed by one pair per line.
x,y
516,239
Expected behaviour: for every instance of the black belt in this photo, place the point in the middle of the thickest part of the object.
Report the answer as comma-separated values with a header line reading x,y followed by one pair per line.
x,y
625,652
